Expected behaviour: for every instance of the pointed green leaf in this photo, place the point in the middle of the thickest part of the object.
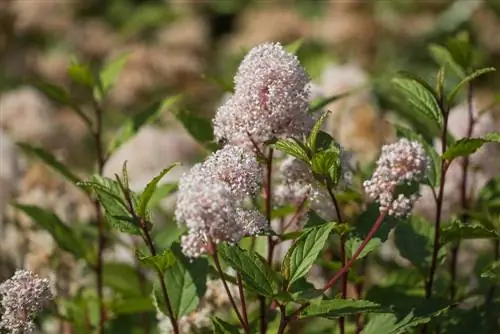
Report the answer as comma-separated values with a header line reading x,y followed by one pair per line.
x,y
311,139
149,191
291,147
420,98
53,92
335,308
185,281
65,237
294,47
134,124
159,262
132,305
469,78
443,57
255,272
463,147
457,230
199,127
123,278
50,161
492,272
162,191
222,327
108,75
301,256
81,74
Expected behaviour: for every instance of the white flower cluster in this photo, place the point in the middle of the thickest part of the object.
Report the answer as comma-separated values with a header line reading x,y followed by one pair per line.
x,y
401,163
215,299
299,184
272,91
210,200
23,295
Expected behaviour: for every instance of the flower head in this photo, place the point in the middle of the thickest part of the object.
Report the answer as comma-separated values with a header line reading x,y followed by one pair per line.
x,y
23,295
401,163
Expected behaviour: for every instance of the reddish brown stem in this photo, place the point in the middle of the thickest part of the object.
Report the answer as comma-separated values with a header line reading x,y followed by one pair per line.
x,y
242,298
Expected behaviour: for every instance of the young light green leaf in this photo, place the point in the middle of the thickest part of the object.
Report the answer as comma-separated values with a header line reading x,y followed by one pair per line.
x,y
65,237
222,327
291,147
311,139
145,117
185,282
256,274
294,47
159,262
461,49
420,98
457,230
108,76
149,191
327,164
443,57
335,308
50,161
81,74
301,256
469,78
111,198
493,137
463,147
199,127
492,272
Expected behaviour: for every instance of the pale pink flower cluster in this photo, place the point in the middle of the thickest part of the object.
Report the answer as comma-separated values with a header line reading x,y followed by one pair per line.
x,y
272,92
23,295
399,164
210,200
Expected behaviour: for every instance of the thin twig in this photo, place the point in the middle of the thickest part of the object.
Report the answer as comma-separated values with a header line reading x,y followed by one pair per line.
x,y
242,298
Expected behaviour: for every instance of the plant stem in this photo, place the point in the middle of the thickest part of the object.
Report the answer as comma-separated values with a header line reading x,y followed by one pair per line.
x,y
463,191
334,279
342,255
215,256
242,298
101,243
359,292
283,320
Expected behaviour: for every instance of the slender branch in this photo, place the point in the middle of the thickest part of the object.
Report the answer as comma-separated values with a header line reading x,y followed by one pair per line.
x,y
242,298
342,255
296,215
215,256
283,320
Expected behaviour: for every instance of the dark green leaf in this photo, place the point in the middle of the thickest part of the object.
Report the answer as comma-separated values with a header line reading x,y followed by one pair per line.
x,y
134,124
326,164
301,256
492,273
334,308
311,139
133,305
420,98
422,82
81,74
256,274
222,327
291,147
463,147
149,191
469,78
124,279
108,76
55,93
50,161
457,230
111,198
185,282
160,262
461,49
64,236
200,128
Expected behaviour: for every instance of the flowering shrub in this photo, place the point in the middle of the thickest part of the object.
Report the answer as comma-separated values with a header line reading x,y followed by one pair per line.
x,y
277,230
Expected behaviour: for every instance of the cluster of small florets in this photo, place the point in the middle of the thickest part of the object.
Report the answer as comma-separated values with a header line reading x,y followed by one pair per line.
x,y
215,299
401,163
211,197
23,295
299,184
270,100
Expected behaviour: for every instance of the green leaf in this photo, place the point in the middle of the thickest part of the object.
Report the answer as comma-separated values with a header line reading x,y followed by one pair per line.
x,y
111,198
132,305
461,50
443,57
294,47
53,92
134,124
200,128
185,282
222,327
50,161
469,78
463,147
335,308
311,139
124,279
161,192
65,237
108,75
301,256
414,242
434,174
457,230
492,137
81,74
492,273
149,191
255,272
327,164
420,98
291,147
421,81
159,262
